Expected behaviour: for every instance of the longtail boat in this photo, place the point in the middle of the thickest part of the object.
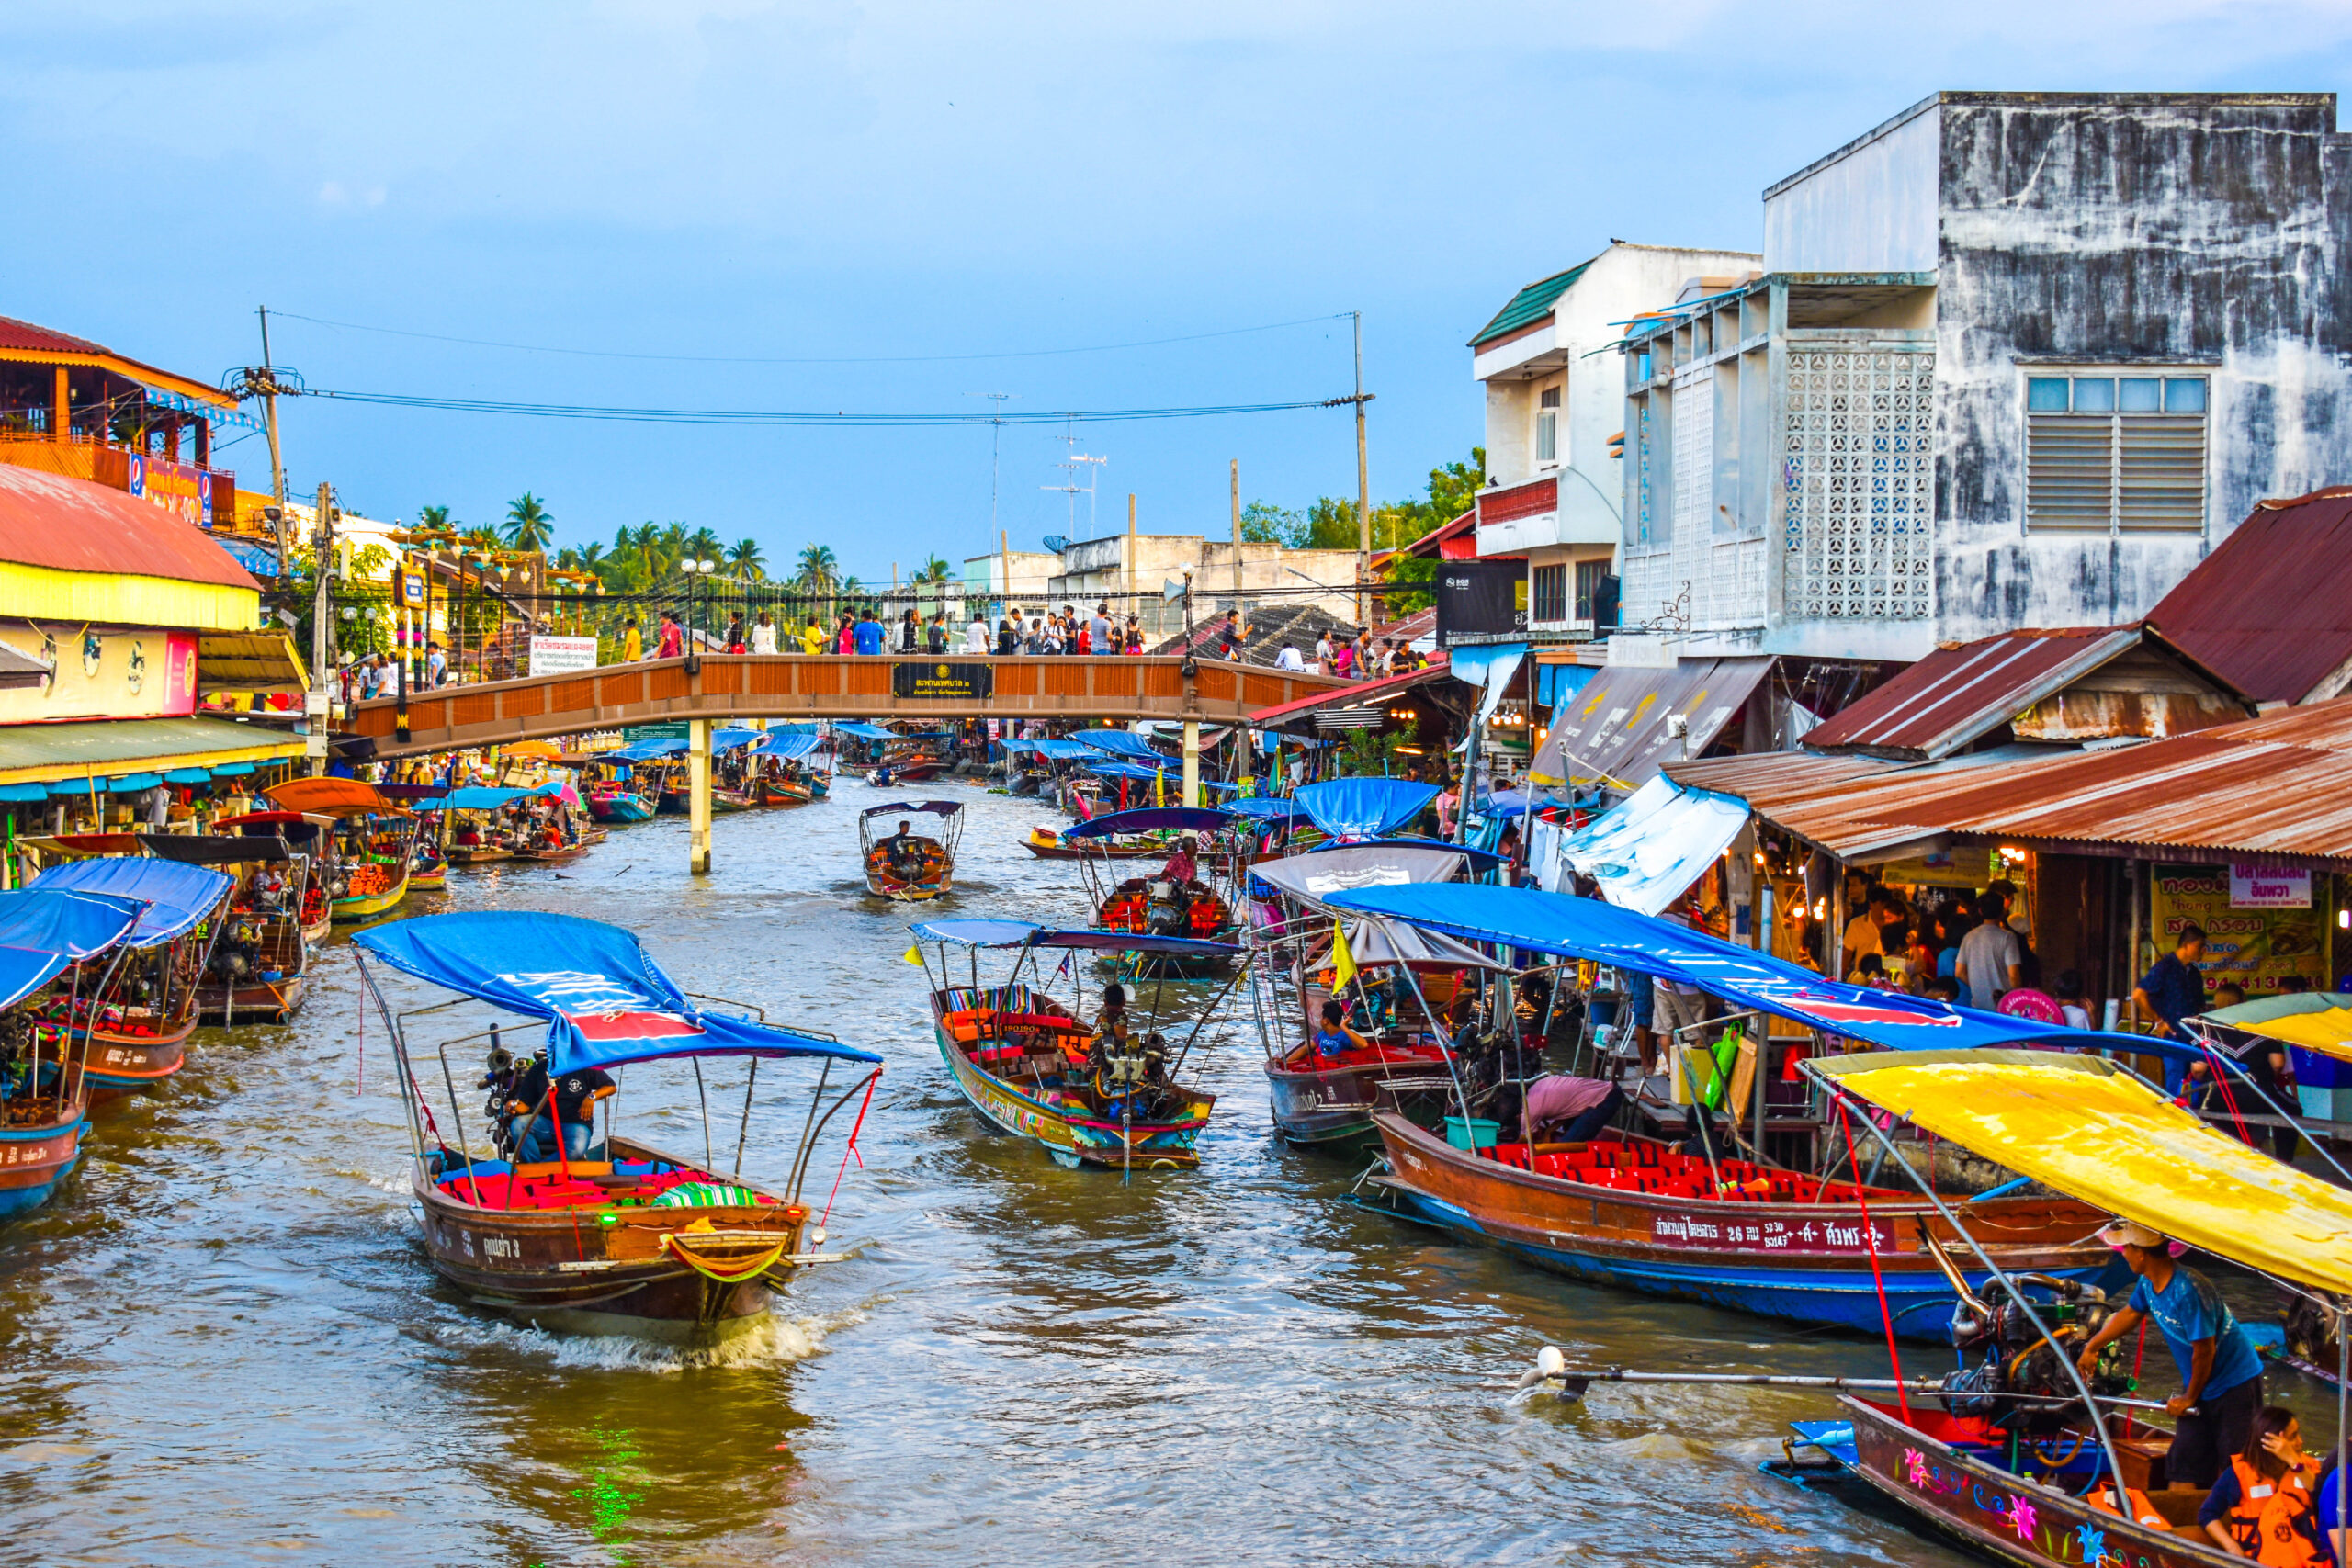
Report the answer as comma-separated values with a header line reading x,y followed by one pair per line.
x,y
2018,1458
1048,844
259,966
629,1238
45,937
908,866
373,840
618,803
1324,1100
1032,1068
135,1030
1172,903
1810,1246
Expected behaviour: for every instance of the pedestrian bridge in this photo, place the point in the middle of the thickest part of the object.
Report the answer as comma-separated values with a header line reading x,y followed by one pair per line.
x,y
729,687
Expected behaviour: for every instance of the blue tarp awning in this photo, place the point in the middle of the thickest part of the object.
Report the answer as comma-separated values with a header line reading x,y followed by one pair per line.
x,y
1021,933
863,730
603,998
728,740
792,746
490,798
1151,820
1535,922
1120,743
1129,771
1271,808
42,930
1364,807
177,898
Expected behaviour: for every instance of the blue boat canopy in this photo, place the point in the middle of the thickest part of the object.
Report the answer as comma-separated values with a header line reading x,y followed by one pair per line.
x,y
603,999
1021,933
1364,808
1535,922
1481,860
792,746
1151,820
731,738
178,898
42,930
1268,808
490,798
925,807
645,751
1136,771
1120,743
863,730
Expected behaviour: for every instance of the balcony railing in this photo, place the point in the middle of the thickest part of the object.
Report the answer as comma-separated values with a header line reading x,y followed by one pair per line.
x,y
206,497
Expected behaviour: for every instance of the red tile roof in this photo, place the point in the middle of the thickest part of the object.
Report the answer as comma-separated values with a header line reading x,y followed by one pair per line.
x,y
26,337
1358,695
2270,610
1957,693
74,526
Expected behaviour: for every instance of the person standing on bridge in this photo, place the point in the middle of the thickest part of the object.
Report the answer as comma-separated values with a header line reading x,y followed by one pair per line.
x,y
812,641
735,643
764,634
938,634
869,635
632,644
976,635
1102,634
673,643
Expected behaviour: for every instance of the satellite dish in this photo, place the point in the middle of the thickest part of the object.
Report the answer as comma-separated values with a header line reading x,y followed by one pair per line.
x,y
1171,591
1056,543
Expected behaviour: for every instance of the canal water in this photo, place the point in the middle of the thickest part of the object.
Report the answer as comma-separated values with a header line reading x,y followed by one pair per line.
x,y
224,1344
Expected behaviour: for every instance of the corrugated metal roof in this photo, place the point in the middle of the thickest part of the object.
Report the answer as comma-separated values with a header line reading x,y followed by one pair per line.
x,y
74,526
1615,729
1833,800
1531,304
1956,694
2279,786
2270,610
26,336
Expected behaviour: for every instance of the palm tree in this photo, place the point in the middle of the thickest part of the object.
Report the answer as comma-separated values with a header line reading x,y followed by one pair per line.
x,y
704,545
749,563
590,557
434,519
818,568
481,537
529,524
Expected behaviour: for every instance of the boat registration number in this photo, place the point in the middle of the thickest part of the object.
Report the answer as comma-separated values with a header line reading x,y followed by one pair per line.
x,y
1767,1236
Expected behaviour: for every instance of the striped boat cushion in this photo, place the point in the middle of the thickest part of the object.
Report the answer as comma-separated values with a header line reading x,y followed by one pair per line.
x,y
706,1195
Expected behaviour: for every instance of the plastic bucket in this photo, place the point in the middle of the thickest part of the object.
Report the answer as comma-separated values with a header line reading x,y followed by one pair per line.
x,y
1475,1133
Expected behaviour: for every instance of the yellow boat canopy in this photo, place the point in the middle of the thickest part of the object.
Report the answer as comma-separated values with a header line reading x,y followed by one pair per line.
x,y
2317,1021
2087,1128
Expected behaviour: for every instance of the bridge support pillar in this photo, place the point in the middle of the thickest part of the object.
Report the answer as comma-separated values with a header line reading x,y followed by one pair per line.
x,y
1192,762
698,796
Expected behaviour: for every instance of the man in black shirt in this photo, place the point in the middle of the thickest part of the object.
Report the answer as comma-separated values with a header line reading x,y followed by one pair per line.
x,y
576,1094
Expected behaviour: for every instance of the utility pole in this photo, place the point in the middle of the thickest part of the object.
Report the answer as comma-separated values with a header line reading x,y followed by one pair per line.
x,y
1128,573
1363,481
996,434
320,706
1237,543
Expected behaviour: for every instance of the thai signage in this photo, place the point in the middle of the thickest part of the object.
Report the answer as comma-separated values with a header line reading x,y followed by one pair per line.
x,y
562,655
181,489
2256,948
140,673
2269,887
955,682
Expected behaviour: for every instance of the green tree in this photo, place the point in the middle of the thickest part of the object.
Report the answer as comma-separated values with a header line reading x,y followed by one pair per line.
x,y
819,569
435,518
1263,522
703,544
481,537
745,559
529,524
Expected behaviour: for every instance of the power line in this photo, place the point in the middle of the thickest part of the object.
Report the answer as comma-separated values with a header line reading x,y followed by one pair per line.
x,y
865,359
839,419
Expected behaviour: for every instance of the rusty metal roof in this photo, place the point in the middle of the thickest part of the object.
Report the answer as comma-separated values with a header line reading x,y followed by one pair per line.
x,y
1615,729
2271,609
2278,787
1960,694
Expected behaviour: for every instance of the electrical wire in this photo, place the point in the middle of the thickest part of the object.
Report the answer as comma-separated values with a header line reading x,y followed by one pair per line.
x,y
867,359
837,420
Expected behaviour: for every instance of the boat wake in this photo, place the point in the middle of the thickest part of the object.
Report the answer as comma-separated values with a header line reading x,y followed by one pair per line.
x,y
778,1342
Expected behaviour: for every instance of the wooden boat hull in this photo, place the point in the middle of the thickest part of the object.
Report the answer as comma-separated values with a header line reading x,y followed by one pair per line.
x,y
318,930
569,853
478,855
34,1161
125,1063
1998,1512
609,1269
1046,844
774,792
367,905
251,1001
620,807
436,880
1331,1108
1805,1262
1071,1140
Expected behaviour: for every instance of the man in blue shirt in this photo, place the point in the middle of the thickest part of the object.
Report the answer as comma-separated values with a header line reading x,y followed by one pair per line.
x,y
2220,1374
868,634
2173,990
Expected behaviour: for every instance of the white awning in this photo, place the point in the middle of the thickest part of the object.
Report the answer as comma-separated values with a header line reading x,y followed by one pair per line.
x,y
1647,852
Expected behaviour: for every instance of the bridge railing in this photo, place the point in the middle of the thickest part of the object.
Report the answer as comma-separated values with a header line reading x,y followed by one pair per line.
x,y
728,686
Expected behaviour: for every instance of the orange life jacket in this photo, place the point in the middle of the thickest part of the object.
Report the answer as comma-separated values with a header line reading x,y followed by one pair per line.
x,y
2268,1519
2143,1512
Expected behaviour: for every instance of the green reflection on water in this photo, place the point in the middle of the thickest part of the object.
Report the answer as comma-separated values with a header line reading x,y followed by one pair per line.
x,y
610,1502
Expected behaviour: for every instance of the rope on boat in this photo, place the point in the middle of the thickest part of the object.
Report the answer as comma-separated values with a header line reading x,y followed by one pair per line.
x,y
1869,1235
725,1274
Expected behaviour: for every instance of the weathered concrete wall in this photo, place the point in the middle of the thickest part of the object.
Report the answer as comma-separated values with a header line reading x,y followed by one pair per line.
x,y
2191,231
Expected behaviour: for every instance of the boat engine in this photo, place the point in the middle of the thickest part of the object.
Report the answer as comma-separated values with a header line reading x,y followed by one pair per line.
x,y
1134,1070
1168,910
500,1074
2310,1334
2021,1385
239,954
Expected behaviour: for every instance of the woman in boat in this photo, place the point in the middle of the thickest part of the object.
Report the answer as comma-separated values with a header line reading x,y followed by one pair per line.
x,y
2262,1507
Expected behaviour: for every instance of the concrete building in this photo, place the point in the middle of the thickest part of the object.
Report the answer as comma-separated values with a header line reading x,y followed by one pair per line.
x,y
2015,360
1130,571
1553,411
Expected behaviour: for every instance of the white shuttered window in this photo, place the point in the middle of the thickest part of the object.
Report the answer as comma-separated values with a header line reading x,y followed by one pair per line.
x,y
2115,452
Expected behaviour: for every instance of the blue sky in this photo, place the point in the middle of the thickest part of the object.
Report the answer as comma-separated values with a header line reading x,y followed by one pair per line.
x,y
731,182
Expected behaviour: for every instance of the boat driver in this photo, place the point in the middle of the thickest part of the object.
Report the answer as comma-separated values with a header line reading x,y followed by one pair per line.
x,y
576,1094
904,852
2220,1373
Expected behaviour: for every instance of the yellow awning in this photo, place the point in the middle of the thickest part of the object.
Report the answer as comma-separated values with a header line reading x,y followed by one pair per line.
x,y
2313,1020
2087,1128
248,661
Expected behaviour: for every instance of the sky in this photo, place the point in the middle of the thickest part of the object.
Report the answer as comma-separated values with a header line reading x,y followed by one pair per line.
x,y
906,209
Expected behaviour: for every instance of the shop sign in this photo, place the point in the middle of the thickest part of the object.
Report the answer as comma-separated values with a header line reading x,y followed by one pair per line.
x,y
562,655
2269,887
1481,601
181,489
951,683
2255,948
633,733
1949,868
